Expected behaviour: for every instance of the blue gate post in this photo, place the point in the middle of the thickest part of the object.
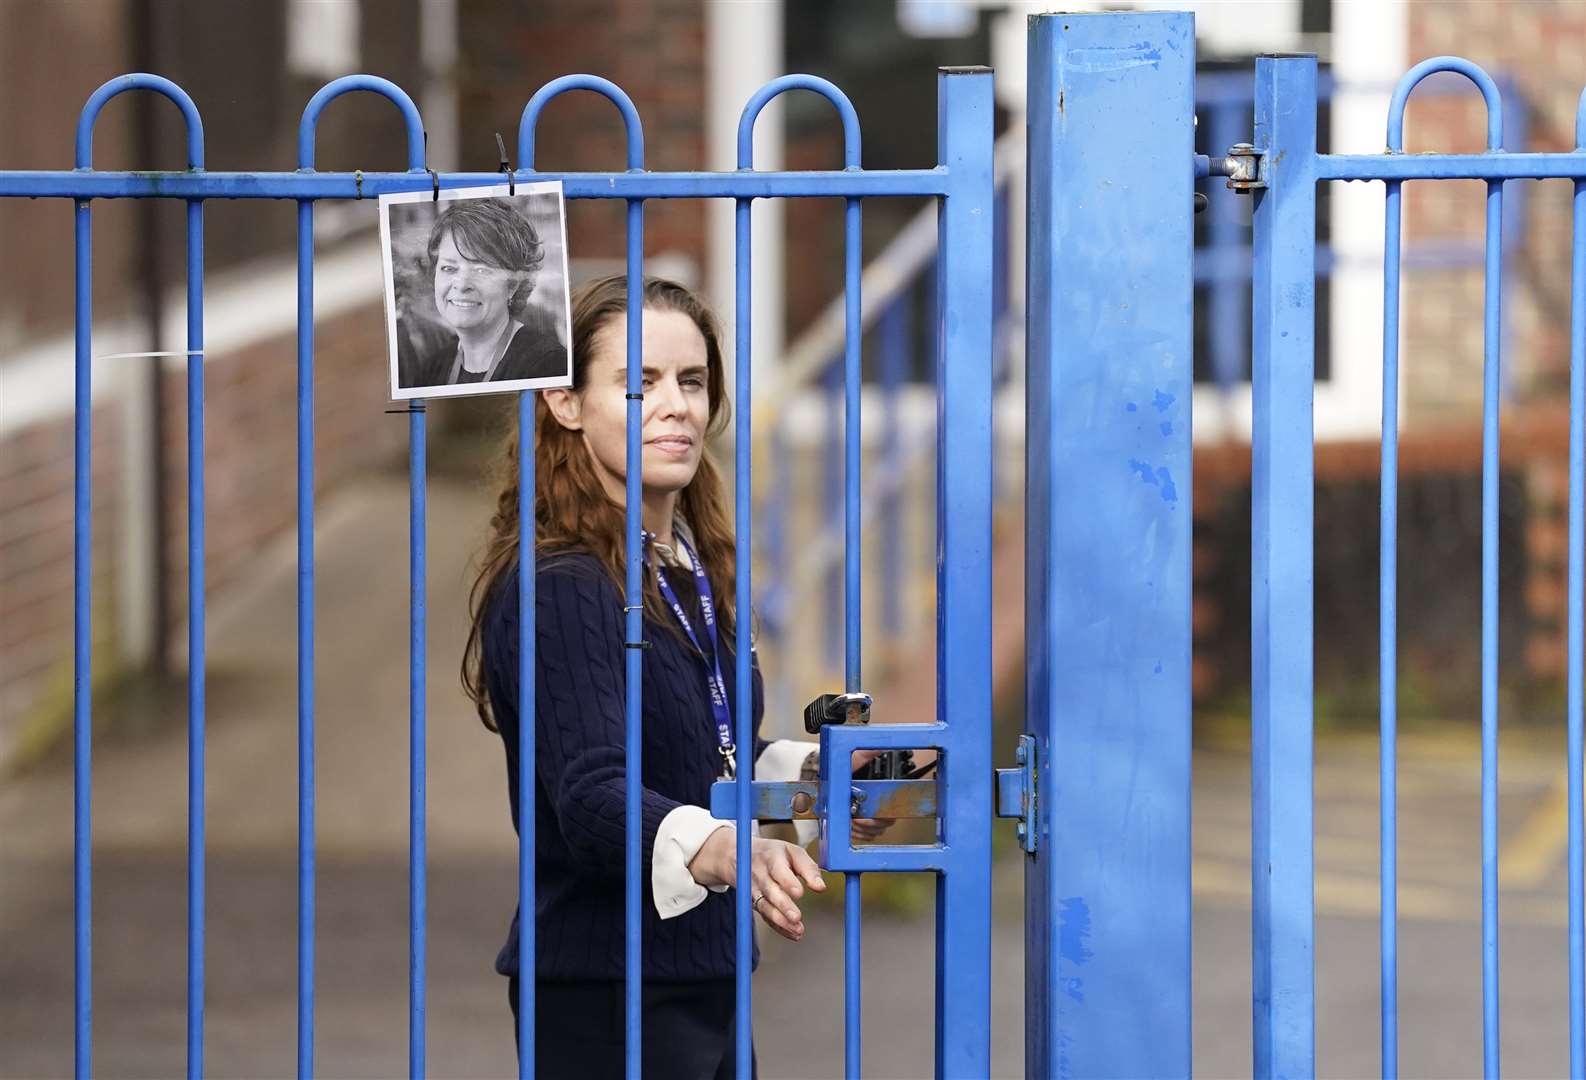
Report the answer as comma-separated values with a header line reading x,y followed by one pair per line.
x,y
963,569
1282,384
1107,594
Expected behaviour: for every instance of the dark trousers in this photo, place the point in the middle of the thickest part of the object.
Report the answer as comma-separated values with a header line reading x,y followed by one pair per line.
x,y
689,1029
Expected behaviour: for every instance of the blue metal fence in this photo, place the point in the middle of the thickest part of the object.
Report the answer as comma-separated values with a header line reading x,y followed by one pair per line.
x,y
1224,102
962,181
1223,276
1107,925
1112,167
1288,169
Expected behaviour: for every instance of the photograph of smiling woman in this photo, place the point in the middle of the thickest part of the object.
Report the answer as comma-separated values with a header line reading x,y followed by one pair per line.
x,y
476,290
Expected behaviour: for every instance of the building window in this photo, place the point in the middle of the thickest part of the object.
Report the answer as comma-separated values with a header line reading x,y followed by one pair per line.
x,y
1223,262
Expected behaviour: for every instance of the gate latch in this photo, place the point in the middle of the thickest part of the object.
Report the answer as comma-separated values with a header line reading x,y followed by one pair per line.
x,y
1242,167
1016,793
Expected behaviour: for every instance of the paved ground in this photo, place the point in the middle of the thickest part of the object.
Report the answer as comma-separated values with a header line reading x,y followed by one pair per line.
x,y
140,814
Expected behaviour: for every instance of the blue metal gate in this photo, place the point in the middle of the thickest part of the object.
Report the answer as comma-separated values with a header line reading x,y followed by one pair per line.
x,y
962,181
1111,174
1282,169
1111,165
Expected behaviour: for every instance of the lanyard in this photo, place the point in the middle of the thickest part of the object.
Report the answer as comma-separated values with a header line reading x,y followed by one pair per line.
x,y
713,679
490,372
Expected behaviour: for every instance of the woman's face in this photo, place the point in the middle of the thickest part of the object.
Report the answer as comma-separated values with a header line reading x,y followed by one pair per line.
x,y
676,406
470,294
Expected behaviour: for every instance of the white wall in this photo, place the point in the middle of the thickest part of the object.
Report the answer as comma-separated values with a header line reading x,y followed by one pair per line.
x,y
743,50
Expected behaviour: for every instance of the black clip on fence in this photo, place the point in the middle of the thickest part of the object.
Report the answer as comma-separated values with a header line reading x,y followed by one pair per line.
x,y
506,166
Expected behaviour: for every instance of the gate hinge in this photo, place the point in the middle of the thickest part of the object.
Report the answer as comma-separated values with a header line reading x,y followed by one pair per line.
x,y
1016,793
1242,167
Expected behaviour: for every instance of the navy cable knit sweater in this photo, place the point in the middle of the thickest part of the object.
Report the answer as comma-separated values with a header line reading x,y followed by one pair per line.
x,y
579,765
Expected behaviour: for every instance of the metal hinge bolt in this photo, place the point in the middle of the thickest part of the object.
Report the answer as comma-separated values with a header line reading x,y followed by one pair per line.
x,y
1242,167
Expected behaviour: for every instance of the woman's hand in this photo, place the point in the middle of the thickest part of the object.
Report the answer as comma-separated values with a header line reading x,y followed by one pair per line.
x,y
779,875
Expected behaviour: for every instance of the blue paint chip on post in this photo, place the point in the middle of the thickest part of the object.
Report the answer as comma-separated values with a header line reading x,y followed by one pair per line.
x,y
1165,482
1157,476
1074,931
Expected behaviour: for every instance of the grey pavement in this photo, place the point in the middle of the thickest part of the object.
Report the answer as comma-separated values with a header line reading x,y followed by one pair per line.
x,y
361,702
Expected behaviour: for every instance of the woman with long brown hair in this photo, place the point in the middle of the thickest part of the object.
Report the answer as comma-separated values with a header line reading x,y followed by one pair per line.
x,y
688,707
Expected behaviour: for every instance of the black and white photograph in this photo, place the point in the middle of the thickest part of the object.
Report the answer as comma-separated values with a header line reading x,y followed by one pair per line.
x,y
476,290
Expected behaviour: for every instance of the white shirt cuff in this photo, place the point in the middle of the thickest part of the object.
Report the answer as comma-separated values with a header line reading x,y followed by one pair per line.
x,y
685,829
678,839
783,759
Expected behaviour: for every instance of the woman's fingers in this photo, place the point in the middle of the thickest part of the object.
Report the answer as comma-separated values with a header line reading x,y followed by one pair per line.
x,y
778,922
781,871
778,909
805,867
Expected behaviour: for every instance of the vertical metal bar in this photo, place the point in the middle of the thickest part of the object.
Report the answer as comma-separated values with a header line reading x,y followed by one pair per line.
x,y
1491,393
82,653
964,141
853,450
743,1050
853,971
853,567
633,973
634,618
1108,540
527,729
1387,637
742,486
418,901
82,565
306,854
306,791
1282,382
1577,620
633,956
195,638
1492,331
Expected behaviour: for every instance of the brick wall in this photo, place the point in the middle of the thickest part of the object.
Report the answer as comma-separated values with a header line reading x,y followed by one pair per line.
x,y
231,60
251,441
36,130
251,492
36,553
1541,46
653,49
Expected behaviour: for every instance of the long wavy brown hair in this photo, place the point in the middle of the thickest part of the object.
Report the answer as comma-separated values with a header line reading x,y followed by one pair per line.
x,y
572,510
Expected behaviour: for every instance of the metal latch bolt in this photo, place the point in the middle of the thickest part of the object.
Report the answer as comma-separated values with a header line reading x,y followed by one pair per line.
x,y
1016,793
